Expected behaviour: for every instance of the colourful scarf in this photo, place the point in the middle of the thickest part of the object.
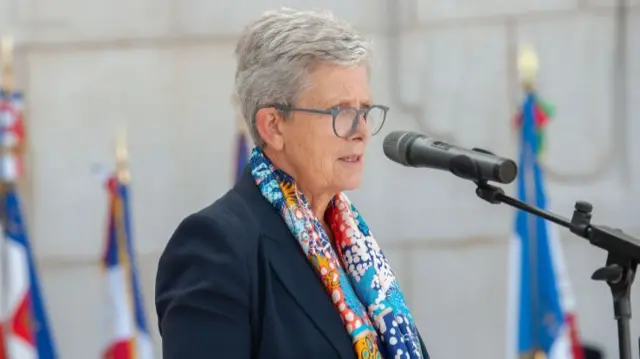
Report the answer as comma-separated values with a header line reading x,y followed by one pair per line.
x,y
366,294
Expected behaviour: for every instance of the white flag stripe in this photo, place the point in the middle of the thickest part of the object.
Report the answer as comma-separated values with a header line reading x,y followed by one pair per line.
x,y
16,288
123,322
17,279
18,349
145,346
567,298
561,348
122,315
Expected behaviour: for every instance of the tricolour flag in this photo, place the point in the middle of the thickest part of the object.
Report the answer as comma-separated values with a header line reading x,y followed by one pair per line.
x,y
242,151
129,336
541,305
25,326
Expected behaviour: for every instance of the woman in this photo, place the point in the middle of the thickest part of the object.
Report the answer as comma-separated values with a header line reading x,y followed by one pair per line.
x,y
283,266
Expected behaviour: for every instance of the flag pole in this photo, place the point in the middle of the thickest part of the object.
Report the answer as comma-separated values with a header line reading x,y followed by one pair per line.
x,y
123,177
122,157
6,68
7,87
7,64
528,69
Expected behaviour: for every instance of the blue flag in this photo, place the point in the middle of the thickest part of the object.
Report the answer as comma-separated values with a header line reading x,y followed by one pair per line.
x,y
541,300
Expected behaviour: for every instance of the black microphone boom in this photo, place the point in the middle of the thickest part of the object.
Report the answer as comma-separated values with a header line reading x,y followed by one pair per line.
x,y
417,150
623,254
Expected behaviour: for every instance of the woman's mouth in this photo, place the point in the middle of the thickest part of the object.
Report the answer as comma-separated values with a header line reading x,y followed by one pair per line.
x,y
351,159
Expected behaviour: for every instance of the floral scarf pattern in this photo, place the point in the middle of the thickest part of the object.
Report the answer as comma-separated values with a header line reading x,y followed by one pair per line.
x,y
358,278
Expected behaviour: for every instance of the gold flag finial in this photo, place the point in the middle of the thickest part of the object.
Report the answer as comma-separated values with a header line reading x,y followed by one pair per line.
x,y
6,61
539,354
122,156
528,65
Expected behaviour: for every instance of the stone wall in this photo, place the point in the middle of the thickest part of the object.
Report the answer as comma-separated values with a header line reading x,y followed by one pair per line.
x,y
164,69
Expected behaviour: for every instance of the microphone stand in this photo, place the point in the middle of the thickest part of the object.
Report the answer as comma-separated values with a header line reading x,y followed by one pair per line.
x,y
623,253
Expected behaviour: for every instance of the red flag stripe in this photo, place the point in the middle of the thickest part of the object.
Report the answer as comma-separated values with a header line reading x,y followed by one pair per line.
x,y
3,347
119,350
22,322
572,325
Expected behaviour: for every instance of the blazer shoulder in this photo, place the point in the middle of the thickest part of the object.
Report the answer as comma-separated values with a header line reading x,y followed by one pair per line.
x,y
205,274
217,239
227,220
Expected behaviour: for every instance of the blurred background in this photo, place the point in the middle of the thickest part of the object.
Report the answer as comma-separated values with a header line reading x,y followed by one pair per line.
x,y
164,69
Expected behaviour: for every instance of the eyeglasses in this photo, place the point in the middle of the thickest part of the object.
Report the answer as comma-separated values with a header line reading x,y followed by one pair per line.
x,y
345,119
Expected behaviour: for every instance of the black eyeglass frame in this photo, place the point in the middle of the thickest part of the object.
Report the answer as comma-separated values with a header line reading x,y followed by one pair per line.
x,y
334,112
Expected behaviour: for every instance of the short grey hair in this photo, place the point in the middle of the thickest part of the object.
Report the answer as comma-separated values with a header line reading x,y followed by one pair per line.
x,y
276,52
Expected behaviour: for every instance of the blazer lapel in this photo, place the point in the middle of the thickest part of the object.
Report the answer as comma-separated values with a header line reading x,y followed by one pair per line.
x,y
293,269
296,274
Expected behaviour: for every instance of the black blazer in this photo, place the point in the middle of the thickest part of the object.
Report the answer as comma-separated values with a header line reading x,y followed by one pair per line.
x,y
233,283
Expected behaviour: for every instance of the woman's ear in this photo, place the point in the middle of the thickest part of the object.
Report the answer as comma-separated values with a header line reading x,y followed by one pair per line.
x,y
268,121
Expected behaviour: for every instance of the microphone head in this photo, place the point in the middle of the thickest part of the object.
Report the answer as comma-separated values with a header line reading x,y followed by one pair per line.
x,y
396,146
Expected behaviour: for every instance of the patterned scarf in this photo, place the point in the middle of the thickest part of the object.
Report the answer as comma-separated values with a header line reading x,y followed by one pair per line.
x,y
358,278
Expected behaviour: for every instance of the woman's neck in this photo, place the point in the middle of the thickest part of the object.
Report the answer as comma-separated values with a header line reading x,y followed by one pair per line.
x,y
317,198
318,203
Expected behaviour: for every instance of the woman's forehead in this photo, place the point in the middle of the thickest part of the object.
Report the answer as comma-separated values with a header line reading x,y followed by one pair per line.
x,y
336,86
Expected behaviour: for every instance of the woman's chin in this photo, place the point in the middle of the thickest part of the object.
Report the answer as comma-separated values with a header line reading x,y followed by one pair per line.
x,y
349,183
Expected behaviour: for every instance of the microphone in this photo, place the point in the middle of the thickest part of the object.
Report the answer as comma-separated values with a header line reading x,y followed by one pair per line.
x,y
416,150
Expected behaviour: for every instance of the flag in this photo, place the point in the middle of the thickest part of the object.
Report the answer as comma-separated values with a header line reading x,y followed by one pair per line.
x,y
541,304
25,326
129,337
242,152
12,134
